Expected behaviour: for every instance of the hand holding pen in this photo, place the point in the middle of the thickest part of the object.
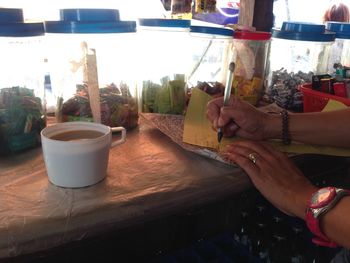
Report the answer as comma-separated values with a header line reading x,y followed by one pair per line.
x,y
239,118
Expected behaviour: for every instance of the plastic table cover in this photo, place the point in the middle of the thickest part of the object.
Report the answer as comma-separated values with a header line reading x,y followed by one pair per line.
x,y
149,176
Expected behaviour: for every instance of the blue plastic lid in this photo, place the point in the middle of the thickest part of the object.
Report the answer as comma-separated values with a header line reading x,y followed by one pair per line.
x,y
303,32
84,14
90,21
12,24
212,30
8,15
160,22
342,30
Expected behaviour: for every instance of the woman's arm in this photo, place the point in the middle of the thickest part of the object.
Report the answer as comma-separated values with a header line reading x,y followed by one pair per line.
x,y
336,223
322,128
246,121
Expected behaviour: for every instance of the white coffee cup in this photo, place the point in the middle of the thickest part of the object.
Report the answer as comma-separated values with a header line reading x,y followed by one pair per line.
x,y
82,162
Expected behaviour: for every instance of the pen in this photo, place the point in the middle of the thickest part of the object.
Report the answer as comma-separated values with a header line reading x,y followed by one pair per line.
x,y
227,93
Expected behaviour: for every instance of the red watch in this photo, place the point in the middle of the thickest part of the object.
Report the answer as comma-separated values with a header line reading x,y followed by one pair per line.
x,y
320,203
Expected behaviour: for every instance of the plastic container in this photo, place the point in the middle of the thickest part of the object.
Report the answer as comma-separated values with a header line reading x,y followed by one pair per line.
x,y
164,60
298,51
211,54
250,54
315,101
22,111
340,52
90,55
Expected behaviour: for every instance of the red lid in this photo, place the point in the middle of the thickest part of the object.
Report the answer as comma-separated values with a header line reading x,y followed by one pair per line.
x,y
252,35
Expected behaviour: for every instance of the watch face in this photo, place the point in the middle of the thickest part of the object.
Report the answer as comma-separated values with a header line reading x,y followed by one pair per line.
x,y
322,196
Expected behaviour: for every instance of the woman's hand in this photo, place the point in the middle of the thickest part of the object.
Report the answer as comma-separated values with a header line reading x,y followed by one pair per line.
x,y
274,175
239,118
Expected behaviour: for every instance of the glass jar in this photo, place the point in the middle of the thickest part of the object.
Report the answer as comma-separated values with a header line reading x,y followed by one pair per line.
x,y
22,109
211,54
164,61
298,51
340,52
92,72
250,55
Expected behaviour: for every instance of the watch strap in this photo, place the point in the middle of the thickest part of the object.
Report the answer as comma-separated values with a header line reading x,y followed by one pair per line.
x,y
314,226
313,219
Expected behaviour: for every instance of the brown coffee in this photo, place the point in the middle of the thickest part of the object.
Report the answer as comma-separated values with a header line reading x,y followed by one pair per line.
x,y
77,135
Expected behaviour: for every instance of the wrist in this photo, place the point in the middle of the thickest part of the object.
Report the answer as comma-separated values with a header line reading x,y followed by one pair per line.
x,y
277,126
303,200
272,126
328,216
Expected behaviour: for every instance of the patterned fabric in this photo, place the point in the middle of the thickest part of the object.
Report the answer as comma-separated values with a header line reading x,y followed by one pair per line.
x,y
342,257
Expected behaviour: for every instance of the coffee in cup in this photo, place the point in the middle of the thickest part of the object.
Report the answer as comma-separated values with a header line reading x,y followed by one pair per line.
x,y
76,135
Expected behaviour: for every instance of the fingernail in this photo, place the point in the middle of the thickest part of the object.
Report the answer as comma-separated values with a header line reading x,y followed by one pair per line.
x,y
215,123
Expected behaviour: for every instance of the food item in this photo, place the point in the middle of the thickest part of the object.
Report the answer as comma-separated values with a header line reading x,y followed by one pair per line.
x,y
215,89
21,119
168,97
250,49
284,90
118,107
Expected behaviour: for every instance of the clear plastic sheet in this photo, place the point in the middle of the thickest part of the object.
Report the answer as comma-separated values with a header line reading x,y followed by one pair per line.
x,y
149,176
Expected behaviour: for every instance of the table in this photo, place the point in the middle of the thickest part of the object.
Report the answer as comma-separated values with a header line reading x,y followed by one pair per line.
x,y
148,177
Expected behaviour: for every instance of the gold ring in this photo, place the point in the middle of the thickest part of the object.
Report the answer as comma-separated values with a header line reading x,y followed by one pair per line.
x,y
253,157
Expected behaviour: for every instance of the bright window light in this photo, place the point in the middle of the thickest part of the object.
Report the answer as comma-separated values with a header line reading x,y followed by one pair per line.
x,y
38,10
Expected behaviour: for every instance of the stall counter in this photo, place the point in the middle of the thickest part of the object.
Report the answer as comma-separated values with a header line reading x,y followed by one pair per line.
x,y
148,177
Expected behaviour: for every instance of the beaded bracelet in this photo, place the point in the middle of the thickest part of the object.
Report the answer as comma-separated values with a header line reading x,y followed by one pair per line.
x,y
285,127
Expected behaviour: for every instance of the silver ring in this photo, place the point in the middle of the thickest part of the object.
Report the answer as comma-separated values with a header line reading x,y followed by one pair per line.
x,y
253,157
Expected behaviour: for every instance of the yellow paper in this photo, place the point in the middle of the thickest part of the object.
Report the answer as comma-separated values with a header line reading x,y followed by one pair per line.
x,y
334,105
198,130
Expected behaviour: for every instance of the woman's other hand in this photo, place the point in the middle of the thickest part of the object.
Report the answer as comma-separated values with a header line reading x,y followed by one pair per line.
x,y
274,175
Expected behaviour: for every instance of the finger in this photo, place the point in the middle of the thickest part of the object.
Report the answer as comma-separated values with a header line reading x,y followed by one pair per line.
x,y
237,108
213,116
266,150
250,155
216,103
242,161
229,130
272,150
252,170
281,157
227,114
213,110
268,157
247,147
268,160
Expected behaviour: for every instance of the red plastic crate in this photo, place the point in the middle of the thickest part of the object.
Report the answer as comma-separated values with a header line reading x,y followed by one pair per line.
x,y
315,100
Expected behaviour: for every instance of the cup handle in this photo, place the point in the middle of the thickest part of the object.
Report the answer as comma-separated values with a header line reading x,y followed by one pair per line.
x,y
123,136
